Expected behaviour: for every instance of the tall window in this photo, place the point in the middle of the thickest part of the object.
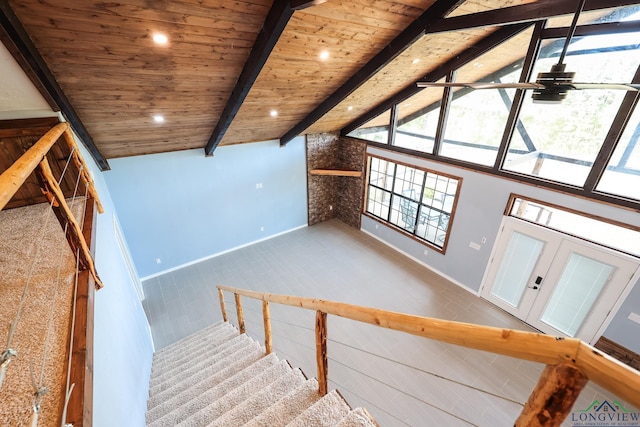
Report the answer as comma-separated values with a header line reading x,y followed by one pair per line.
x,y
587,144
418,201
565,138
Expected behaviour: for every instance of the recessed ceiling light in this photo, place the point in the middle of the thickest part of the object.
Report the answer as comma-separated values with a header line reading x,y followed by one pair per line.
x,y
324,55
159,38
349,108
158,118
274,113
415,61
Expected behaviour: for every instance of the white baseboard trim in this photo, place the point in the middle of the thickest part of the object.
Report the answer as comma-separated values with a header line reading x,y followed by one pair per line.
x,y
438,272
187,264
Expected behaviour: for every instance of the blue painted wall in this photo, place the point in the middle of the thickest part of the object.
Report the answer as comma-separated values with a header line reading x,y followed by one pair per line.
x,y
479,213
123,347
182,206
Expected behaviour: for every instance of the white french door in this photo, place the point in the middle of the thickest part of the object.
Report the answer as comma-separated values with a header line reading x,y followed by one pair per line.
x,y
556,283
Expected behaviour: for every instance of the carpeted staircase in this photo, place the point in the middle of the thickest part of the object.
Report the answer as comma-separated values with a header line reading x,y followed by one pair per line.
x,y
217,377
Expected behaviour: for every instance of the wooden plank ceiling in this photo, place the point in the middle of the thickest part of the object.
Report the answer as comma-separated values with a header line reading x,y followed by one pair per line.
x,y
104,59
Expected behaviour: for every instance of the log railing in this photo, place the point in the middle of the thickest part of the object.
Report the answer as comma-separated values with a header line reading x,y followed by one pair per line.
x,y
570,362
79,411
35,157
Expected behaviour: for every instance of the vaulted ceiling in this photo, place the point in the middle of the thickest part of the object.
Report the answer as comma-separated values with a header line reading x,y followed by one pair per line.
x,y
242,71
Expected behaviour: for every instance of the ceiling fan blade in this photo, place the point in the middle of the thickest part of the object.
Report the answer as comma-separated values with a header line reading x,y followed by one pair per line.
x,y
612,86
479,85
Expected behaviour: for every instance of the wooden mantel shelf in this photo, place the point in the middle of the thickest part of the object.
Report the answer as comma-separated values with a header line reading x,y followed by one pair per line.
x,y
335,172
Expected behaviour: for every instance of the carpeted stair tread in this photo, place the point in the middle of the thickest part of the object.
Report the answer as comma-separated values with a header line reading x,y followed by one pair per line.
x,y
216,337
289,407
206,365
182,341
217,377
326,412
206,342
179,406
261,401
211,329
218,372
357,418
197,358
216,409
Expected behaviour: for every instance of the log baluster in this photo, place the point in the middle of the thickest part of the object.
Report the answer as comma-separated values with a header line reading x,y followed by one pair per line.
x,y
553,397
266,314
223,307
240,314
321,351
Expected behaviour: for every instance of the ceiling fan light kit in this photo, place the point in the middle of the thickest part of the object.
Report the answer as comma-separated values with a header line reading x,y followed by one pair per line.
x,y
556,84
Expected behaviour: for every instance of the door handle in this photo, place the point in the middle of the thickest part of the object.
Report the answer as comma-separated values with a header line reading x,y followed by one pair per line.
x,y
537,282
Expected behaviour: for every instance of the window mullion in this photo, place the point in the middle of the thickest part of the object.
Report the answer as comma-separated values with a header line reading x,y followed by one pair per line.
x,y
514,115
393,119
613,136
447,96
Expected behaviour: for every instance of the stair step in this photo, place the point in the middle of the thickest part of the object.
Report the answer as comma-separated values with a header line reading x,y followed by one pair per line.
x,y
217,377
326,412
211,329
289,407
357,418
210,366
221,370
215,337
216,409
183,404
202,355
261,401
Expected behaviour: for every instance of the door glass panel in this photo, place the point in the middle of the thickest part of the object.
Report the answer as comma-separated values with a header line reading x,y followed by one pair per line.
x,y
581,282
516,267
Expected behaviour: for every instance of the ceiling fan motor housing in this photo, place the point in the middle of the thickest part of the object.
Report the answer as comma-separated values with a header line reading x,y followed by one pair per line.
x,y
556,83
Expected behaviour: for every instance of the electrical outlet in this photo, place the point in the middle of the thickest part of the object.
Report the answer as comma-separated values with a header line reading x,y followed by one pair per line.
x,y
261,228
484,240
158,261
634,317
426,252
474,245
330,207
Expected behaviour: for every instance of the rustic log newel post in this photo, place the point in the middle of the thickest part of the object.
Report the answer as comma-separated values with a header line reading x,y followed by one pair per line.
x,y
553,397
240,314
321,351
266,314
223,307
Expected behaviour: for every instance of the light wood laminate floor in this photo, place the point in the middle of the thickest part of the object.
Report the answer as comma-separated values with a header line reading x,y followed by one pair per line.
x,y
401,379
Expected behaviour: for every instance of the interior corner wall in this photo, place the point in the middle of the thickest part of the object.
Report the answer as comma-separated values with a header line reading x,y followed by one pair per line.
x,y
352,157
181,207
479,213
335,196
122,346
322,153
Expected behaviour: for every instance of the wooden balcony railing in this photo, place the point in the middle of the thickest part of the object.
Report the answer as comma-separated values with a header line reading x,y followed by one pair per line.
x,y
570,362
79,374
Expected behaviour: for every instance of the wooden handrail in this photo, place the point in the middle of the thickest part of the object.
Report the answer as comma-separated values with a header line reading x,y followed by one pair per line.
x,y
600,368
13,178
74,227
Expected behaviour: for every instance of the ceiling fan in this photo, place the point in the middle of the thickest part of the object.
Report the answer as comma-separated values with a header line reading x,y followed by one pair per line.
x,y
549,87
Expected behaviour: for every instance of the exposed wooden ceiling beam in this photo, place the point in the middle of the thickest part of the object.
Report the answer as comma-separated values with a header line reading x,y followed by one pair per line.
x,y
273,27
303,4
483,46
14,30
541,9
413,32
